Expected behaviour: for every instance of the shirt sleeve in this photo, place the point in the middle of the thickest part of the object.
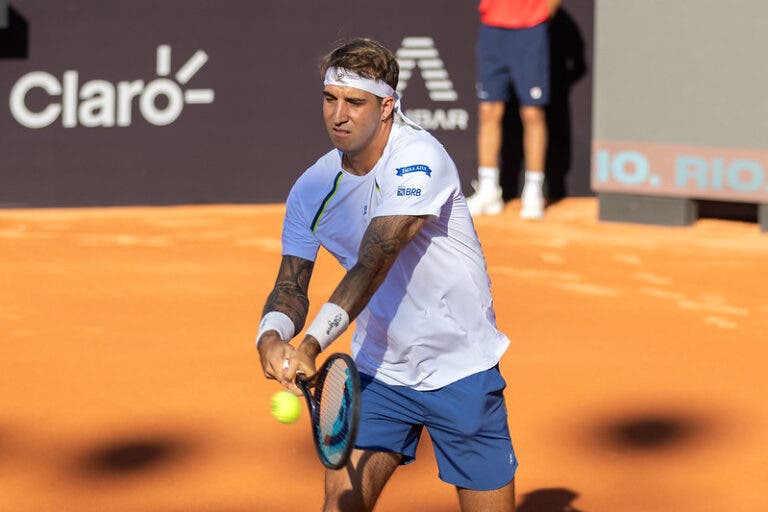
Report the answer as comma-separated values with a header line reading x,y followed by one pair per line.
x,y
298,239
418,180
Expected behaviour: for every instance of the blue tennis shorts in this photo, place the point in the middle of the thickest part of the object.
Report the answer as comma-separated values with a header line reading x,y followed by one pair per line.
x,y
516,58
467,421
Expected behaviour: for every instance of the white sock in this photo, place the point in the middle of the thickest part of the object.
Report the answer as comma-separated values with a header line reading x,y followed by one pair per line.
x,y
534,177
534,184
488,178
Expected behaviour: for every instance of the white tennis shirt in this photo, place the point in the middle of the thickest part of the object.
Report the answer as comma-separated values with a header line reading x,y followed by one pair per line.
x,y
431,322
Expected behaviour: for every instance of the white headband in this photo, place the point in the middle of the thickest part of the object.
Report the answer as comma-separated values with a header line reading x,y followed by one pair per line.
x,y
347,78
380,88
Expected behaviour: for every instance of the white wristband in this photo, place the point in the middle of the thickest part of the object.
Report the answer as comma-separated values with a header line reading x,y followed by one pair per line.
x,y
328,324
276,321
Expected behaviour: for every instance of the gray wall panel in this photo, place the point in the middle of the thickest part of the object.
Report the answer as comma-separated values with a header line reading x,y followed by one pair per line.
x,y
679,106
689,71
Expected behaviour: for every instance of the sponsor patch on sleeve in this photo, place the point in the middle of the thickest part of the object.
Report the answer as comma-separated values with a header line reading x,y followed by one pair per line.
x,y
401,171
408,191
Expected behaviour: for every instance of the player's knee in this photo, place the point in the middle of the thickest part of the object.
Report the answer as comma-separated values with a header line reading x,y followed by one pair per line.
x,y
490,112
341,492
344,500
531,115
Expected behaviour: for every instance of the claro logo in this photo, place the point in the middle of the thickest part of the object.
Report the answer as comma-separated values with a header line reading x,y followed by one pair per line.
x,y
99,103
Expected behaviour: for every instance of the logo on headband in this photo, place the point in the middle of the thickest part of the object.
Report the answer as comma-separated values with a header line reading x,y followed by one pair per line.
x,y
341,73
414,168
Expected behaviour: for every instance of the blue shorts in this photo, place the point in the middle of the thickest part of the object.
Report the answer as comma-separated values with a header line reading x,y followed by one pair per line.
x,y
467,421
513,57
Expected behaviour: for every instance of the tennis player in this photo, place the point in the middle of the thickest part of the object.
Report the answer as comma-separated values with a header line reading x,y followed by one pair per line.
x,y
387,203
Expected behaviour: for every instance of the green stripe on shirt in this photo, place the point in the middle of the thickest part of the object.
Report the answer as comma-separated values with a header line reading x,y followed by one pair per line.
x,y
327,200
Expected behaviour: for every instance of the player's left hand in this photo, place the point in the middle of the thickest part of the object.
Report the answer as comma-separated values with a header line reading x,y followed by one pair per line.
x,y
302,361
273,353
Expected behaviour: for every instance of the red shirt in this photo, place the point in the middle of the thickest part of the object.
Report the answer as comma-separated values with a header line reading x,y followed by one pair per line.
x,y
513,13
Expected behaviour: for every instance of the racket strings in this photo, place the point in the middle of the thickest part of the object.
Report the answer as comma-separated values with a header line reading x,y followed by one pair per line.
x,y
334,419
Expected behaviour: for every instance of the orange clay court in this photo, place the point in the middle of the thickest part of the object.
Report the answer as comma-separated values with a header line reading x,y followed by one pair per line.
x,y
129,381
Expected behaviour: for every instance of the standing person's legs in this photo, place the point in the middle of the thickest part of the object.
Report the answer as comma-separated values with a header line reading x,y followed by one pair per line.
x,y
488,200
489,132
493,89
357,486
534,152
531,78
497,500
534,137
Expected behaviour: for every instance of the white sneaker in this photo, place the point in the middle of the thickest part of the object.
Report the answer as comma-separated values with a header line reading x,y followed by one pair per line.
x,y
532,202
485,201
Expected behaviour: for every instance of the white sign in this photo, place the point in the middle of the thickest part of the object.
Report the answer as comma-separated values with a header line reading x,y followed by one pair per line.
x,y
99,103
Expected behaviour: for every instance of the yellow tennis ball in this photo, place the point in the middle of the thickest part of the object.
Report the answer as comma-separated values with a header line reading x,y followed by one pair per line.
x,y
285,407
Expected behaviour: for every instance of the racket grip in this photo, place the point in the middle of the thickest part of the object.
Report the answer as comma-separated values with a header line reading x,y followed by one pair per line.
x,y
302,384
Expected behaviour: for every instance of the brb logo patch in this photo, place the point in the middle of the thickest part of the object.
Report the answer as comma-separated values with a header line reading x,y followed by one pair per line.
x,y
99,103
408,191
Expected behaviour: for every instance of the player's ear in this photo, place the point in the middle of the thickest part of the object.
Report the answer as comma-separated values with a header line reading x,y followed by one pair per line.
x,y
387,107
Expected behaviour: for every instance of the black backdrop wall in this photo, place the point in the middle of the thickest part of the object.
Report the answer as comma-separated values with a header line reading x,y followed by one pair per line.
x,y
190,101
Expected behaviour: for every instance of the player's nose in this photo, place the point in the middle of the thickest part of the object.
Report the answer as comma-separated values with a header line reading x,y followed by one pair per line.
x,y
340,113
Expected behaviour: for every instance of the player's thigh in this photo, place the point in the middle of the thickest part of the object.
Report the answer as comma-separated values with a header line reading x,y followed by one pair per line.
x,y
357,486
468,424
497,500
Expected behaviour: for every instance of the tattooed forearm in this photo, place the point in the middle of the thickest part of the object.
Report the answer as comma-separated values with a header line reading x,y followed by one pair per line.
x,y
381,244
289,295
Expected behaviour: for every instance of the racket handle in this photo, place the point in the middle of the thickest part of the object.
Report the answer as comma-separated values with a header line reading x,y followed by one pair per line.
x,y
302,384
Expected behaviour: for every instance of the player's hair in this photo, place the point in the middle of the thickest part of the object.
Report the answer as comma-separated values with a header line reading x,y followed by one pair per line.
x,y
366,57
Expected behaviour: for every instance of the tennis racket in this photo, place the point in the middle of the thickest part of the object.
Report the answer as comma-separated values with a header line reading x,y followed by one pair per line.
x,y
334,409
